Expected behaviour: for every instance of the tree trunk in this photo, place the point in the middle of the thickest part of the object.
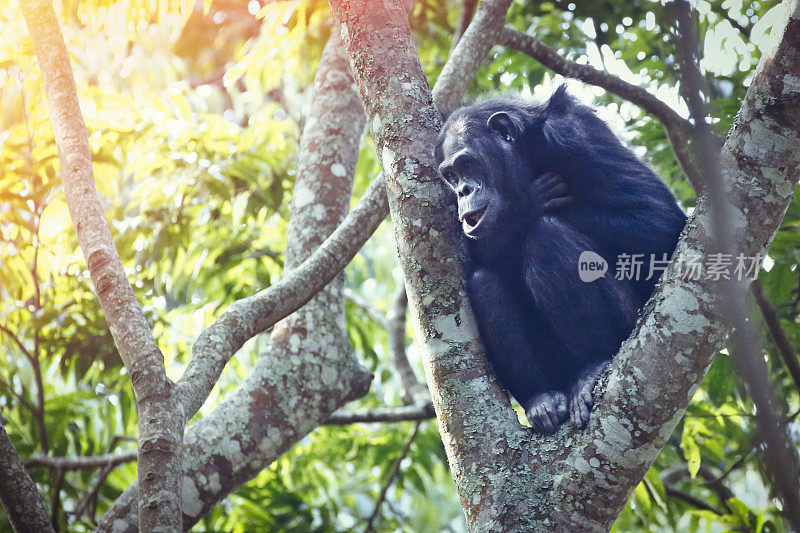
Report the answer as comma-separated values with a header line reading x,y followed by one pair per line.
x,y
161,416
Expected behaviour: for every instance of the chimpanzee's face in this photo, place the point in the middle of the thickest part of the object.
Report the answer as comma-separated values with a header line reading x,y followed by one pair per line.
x,y
471,158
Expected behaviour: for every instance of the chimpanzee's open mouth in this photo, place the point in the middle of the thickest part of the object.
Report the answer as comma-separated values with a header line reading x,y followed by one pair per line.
x,y
472,218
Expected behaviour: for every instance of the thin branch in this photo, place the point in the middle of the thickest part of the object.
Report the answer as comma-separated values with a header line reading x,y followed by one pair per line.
x,y
83,506
382,414
532,46
81,462
28,355
39,414
414,390
391,478
776,331
20,398
394,322
264,252
120,438
57,480
465,61
679,473
692,500
676,127
370,310
740,461
37,410
735,465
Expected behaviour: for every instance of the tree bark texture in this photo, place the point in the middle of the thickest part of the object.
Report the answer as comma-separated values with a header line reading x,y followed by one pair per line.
x,y
18,494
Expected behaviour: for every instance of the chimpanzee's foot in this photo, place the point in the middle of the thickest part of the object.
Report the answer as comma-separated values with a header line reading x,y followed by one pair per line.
x,y
582,396
547,411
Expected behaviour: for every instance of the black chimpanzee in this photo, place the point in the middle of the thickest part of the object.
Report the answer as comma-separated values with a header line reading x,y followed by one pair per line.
x,y
537,185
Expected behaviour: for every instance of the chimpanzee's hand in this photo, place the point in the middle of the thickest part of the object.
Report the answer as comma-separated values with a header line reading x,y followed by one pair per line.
x,y
548,192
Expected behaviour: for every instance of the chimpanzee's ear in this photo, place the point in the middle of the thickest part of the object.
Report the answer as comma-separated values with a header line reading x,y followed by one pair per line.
x,y
560,101
502,123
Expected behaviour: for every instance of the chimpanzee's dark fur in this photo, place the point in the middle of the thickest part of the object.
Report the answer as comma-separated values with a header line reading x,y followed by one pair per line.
x,y
537,185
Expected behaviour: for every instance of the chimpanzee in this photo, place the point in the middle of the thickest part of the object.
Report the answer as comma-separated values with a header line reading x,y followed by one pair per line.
x,y
538,184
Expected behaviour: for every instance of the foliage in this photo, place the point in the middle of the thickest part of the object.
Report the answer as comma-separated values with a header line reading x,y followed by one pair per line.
x,y
194,116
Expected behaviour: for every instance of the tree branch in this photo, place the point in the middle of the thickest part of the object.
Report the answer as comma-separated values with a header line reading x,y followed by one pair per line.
x,y
24,402
37,410
405,124
413,389
34,409
308,369
394,322
692,500
391,478
382,414
370,310
781,458
81,462
160,423
465,61
717,486
252,315
467,10
28,355
83,506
